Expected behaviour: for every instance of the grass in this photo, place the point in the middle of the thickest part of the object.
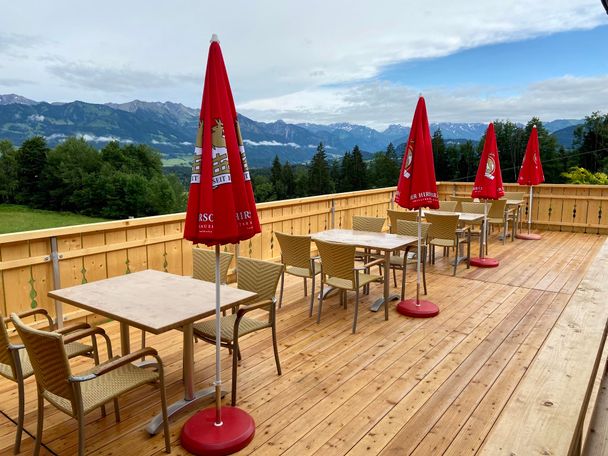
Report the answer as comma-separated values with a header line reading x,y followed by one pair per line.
x,y
15,218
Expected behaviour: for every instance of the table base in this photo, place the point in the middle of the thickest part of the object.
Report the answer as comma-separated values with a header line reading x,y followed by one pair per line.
x,y
420,309
484,262
375,307
528,237
156,423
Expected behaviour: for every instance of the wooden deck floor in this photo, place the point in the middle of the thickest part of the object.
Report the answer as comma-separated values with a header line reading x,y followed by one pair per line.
x,y
406,386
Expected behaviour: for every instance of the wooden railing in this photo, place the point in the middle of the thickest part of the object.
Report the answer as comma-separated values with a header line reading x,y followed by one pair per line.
x,y
35,262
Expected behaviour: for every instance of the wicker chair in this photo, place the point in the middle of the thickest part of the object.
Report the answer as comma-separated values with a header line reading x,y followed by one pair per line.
x,y
77,395
262,278
363,223
444,232
459,200
475,208
338,270
515,196
448,206
407,228
498,215
203,265
295,255
15,364
394,216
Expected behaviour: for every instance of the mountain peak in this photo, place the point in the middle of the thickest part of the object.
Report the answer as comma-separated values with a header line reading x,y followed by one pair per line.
x,y
13,98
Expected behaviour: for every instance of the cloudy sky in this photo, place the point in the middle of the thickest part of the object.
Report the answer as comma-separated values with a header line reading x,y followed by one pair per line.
x,y
318,61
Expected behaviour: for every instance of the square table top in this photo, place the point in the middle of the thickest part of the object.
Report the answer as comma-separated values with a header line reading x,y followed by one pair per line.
x,y
151,300
366,239
463,216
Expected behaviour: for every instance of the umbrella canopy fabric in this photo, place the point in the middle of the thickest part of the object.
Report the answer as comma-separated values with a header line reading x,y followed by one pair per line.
x,y
488,182
531,172
417,187
221,208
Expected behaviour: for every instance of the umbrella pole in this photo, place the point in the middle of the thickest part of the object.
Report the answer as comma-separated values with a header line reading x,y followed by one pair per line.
x,y
218,341
482,261
485,228
418,258
530,210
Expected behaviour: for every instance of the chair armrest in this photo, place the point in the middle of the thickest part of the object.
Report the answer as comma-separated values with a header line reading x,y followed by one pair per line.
x,y
16,346
72,337
248,308
29,313
117,362
379,261
72,328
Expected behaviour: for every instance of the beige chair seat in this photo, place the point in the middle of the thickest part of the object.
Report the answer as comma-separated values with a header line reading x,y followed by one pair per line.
x,y
303,272
442,242
346,284
206,328
104,388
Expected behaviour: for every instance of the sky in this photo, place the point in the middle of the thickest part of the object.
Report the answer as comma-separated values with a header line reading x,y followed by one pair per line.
x,y
318,61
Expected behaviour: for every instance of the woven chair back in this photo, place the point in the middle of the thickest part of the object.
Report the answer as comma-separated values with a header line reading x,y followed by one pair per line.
x,y
203,265
338,260
395,216
48,357
518,196
473,208
442,226
449,206
295,250
407,228
462,199
259,276
363,223
497,209
5,354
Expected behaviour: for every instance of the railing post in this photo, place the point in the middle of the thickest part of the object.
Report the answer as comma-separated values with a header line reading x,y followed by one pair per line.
x,y
392,201
333,214
56,281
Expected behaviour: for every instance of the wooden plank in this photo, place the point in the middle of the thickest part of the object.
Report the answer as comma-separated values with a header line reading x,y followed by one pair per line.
x,y
546,420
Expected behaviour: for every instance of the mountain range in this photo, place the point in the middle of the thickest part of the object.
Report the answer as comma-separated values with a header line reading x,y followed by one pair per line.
x,y
170,128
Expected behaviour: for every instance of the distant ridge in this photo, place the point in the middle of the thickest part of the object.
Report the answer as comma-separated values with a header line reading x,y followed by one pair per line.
x,y
171,128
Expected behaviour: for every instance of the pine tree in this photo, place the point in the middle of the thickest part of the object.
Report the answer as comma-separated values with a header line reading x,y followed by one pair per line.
x,y
31,160
276,178
443,171
345,173
359,177
319,181
289,182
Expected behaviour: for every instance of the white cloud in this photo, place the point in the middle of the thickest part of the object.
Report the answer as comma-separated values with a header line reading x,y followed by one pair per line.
x,y
275,51
104,139
36,118
270,143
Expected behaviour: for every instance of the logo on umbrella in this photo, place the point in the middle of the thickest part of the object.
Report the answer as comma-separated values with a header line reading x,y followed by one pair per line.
x,y
408,160
490,167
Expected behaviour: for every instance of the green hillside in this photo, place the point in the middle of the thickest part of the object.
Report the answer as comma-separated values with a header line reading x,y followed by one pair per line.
x,y
14,218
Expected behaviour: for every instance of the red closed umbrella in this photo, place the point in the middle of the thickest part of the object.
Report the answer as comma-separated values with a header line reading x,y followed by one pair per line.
x,y
488,186
531,173
221,210
417,188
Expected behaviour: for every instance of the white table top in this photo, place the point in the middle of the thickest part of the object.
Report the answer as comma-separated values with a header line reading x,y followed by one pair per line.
x,y
366,239
151,300
463,216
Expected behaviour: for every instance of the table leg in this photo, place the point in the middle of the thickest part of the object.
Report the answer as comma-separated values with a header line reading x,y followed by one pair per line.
x,y
190,396
386,297
482,235
125,341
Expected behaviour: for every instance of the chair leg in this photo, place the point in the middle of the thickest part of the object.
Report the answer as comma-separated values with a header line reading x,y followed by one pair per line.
x,y
356,310
235,350
312,296
39,424
116,410
96,361
80,419
320,303
281,293
21,393
456,256
403,272
305,287
275,345
395,276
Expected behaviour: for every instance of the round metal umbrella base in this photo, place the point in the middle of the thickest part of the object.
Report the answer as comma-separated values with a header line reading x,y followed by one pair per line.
x,y
420,309
200,435
528,237
484,262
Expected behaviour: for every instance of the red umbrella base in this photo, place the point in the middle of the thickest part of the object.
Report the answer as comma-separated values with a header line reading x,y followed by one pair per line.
x,y
200,435
424,309
528,237
484,262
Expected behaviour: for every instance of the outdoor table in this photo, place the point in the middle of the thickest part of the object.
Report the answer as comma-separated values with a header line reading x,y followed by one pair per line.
x,y
384,242
155,302
516,206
